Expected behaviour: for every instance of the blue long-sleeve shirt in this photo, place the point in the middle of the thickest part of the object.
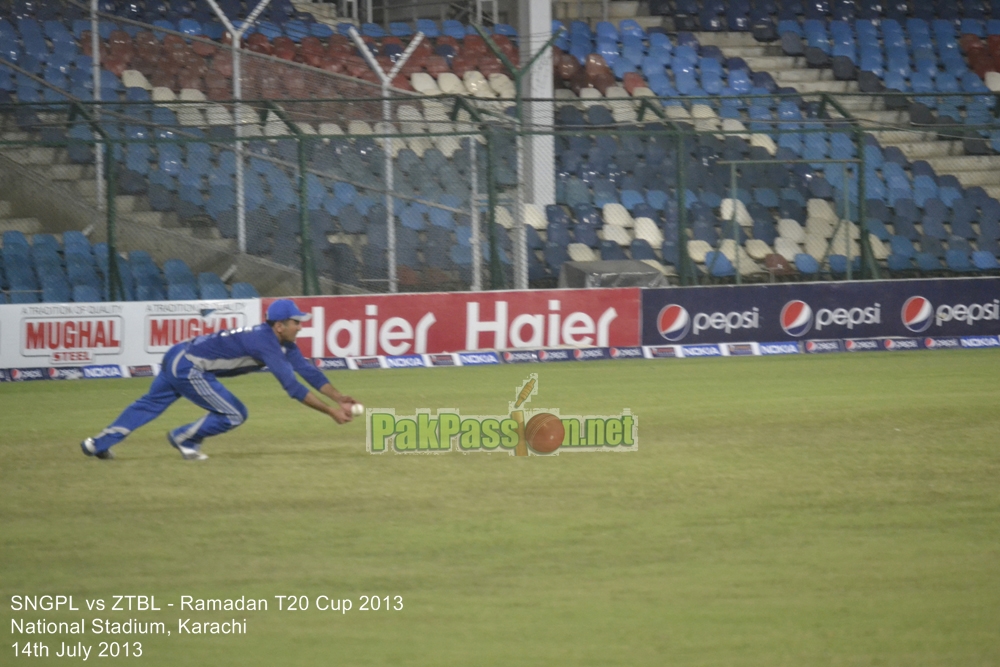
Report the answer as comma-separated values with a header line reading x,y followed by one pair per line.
x,y
241,351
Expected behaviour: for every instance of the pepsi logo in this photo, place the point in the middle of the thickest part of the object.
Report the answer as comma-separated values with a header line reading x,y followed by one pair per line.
x,y
614,353
367,362
818,346
796,318
930,343
916,314
543,355
673,322
53,373
527,356
25,374
850,345
890,344
577,354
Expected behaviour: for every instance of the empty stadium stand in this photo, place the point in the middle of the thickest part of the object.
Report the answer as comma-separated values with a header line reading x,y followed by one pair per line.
x,y
750,82
47,269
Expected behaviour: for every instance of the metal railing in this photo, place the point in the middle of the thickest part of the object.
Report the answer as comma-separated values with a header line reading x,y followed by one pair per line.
x,y
450,169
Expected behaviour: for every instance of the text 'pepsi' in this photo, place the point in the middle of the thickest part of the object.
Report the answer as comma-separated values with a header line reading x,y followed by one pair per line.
x,y
748,319
967,313
848,317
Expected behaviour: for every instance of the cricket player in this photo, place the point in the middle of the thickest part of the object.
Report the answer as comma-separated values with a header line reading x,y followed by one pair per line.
x,y
190,370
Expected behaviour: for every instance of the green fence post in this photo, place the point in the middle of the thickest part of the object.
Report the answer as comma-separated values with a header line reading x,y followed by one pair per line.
x,y
310,282
869,267
115,291
496,271
683,259
734,221
847,216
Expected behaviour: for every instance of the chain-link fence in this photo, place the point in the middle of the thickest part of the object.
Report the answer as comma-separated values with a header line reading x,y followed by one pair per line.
x,y
289,149
707,190
352,204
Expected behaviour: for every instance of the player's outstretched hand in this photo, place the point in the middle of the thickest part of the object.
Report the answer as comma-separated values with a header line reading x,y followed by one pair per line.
x,y
346,402
340,415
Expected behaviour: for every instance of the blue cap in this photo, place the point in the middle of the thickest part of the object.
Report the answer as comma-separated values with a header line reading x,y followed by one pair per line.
x,y
285,309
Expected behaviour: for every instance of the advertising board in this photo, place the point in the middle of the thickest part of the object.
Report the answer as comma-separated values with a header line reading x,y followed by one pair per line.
x,y
96,336
853,311
395,325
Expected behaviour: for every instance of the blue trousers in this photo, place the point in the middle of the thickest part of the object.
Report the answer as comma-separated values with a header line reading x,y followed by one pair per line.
x,y
179,378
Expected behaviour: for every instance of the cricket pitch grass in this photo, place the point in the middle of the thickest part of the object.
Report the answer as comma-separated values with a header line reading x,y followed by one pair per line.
x,y
827,510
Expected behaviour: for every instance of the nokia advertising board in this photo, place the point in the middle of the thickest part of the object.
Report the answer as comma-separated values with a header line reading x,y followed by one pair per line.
x,y
857,311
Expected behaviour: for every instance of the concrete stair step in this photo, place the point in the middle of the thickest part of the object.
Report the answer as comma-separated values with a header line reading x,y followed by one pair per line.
x,y
23,225
954,165
168,219
5,209
572,10
71,172
649,21
206,232
157,218
726,39
124,203
992,191
828,87
759,51
899,137
882,117
793,77
36,155
324,12
15,135
856,103
971,178
772,64
929,148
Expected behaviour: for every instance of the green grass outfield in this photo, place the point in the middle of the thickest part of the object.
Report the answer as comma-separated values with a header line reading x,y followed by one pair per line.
x,y
820,510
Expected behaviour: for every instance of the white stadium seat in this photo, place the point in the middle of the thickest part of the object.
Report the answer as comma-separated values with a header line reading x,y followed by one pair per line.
x,y
616,214
579,252
647,230
697,250
133,78
617,234
787,248
791,230
534,216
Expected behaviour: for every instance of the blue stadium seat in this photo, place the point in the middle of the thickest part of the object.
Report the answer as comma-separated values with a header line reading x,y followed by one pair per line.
x,y
958,261
985,261
902,247
243,290
86,293
181,292
210,286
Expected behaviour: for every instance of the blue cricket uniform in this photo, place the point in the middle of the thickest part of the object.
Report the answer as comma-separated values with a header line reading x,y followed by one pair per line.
x,y
190,370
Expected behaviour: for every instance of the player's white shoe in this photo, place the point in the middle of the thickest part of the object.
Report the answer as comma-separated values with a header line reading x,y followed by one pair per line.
x,y
90,449
189,453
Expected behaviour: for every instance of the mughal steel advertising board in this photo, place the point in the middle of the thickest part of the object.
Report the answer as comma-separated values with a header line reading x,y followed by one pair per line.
x,y
822,311
58,335
407,324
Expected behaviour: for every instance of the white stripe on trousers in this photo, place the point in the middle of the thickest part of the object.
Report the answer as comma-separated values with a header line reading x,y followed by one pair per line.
x,y
188,434
212,397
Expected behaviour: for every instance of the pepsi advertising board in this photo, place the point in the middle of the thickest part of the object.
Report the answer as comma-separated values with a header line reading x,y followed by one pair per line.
x,y
822,311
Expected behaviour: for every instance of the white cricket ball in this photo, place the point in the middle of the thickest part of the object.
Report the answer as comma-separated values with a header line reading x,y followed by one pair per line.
x,y
357,409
